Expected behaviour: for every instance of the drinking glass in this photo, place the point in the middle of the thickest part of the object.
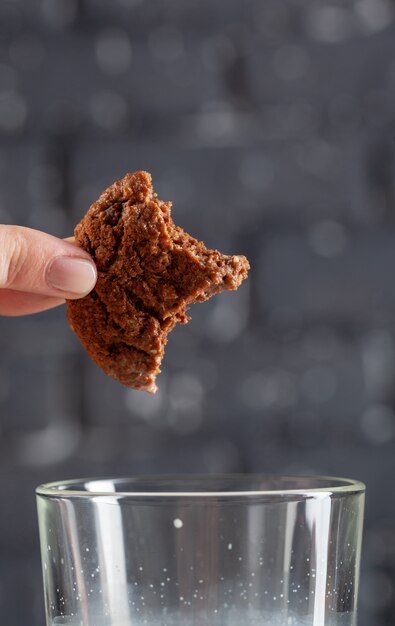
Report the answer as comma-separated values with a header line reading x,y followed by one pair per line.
x,y
233,550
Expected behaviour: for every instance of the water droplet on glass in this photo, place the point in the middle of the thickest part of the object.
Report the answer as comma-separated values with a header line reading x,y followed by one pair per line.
x,y
177,523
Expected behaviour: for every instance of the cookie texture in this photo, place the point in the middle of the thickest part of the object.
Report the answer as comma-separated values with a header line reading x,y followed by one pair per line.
x,y
149,272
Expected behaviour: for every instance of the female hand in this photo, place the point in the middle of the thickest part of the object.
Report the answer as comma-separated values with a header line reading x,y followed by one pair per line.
x,y
39,271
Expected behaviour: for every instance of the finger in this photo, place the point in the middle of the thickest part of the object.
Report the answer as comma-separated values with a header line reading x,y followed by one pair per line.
x,y
36,262
13,303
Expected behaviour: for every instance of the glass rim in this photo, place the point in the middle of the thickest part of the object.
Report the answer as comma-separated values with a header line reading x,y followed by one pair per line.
x,y
333,485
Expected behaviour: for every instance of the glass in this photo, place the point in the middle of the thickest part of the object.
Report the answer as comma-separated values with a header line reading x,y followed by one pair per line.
x,y
228,550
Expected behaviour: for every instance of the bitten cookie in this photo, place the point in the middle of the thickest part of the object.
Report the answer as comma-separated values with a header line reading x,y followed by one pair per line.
x,y
149,272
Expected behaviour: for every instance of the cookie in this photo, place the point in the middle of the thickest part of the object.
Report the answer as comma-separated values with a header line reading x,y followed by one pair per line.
x,y
149,272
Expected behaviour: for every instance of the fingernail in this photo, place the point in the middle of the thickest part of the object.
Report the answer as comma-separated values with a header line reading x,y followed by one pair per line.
x,y
71,275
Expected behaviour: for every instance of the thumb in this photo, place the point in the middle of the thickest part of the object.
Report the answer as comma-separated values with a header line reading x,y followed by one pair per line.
x,y
36,262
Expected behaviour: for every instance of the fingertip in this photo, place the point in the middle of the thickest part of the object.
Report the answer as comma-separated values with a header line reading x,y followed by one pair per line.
x,y
73,276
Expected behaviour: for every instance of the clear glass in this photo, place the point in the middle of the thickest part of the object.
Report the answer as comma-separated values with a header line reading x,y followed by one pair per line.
x,y
201,550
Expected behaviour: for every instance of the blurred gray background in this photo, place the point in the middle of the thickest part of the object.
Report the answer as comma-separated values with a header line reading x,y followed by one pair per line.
x,y
270,124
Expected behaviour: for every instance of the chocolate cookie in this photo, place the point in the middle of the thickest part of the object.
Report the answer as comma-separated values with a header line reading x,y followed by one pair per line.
x,y
149,272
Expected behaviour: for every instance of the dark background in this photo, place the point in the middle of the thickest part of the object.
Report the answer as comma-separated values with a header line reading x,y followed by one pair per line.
x,y
270,124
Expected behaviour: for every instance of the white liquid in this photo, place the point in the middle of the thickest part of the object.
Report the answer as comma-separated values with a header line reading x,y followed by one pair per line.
x,y
232,618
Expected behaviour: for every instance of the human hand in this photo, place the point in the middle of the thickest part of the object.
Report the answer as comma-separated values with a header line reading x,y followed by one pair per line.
x,y
39,271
